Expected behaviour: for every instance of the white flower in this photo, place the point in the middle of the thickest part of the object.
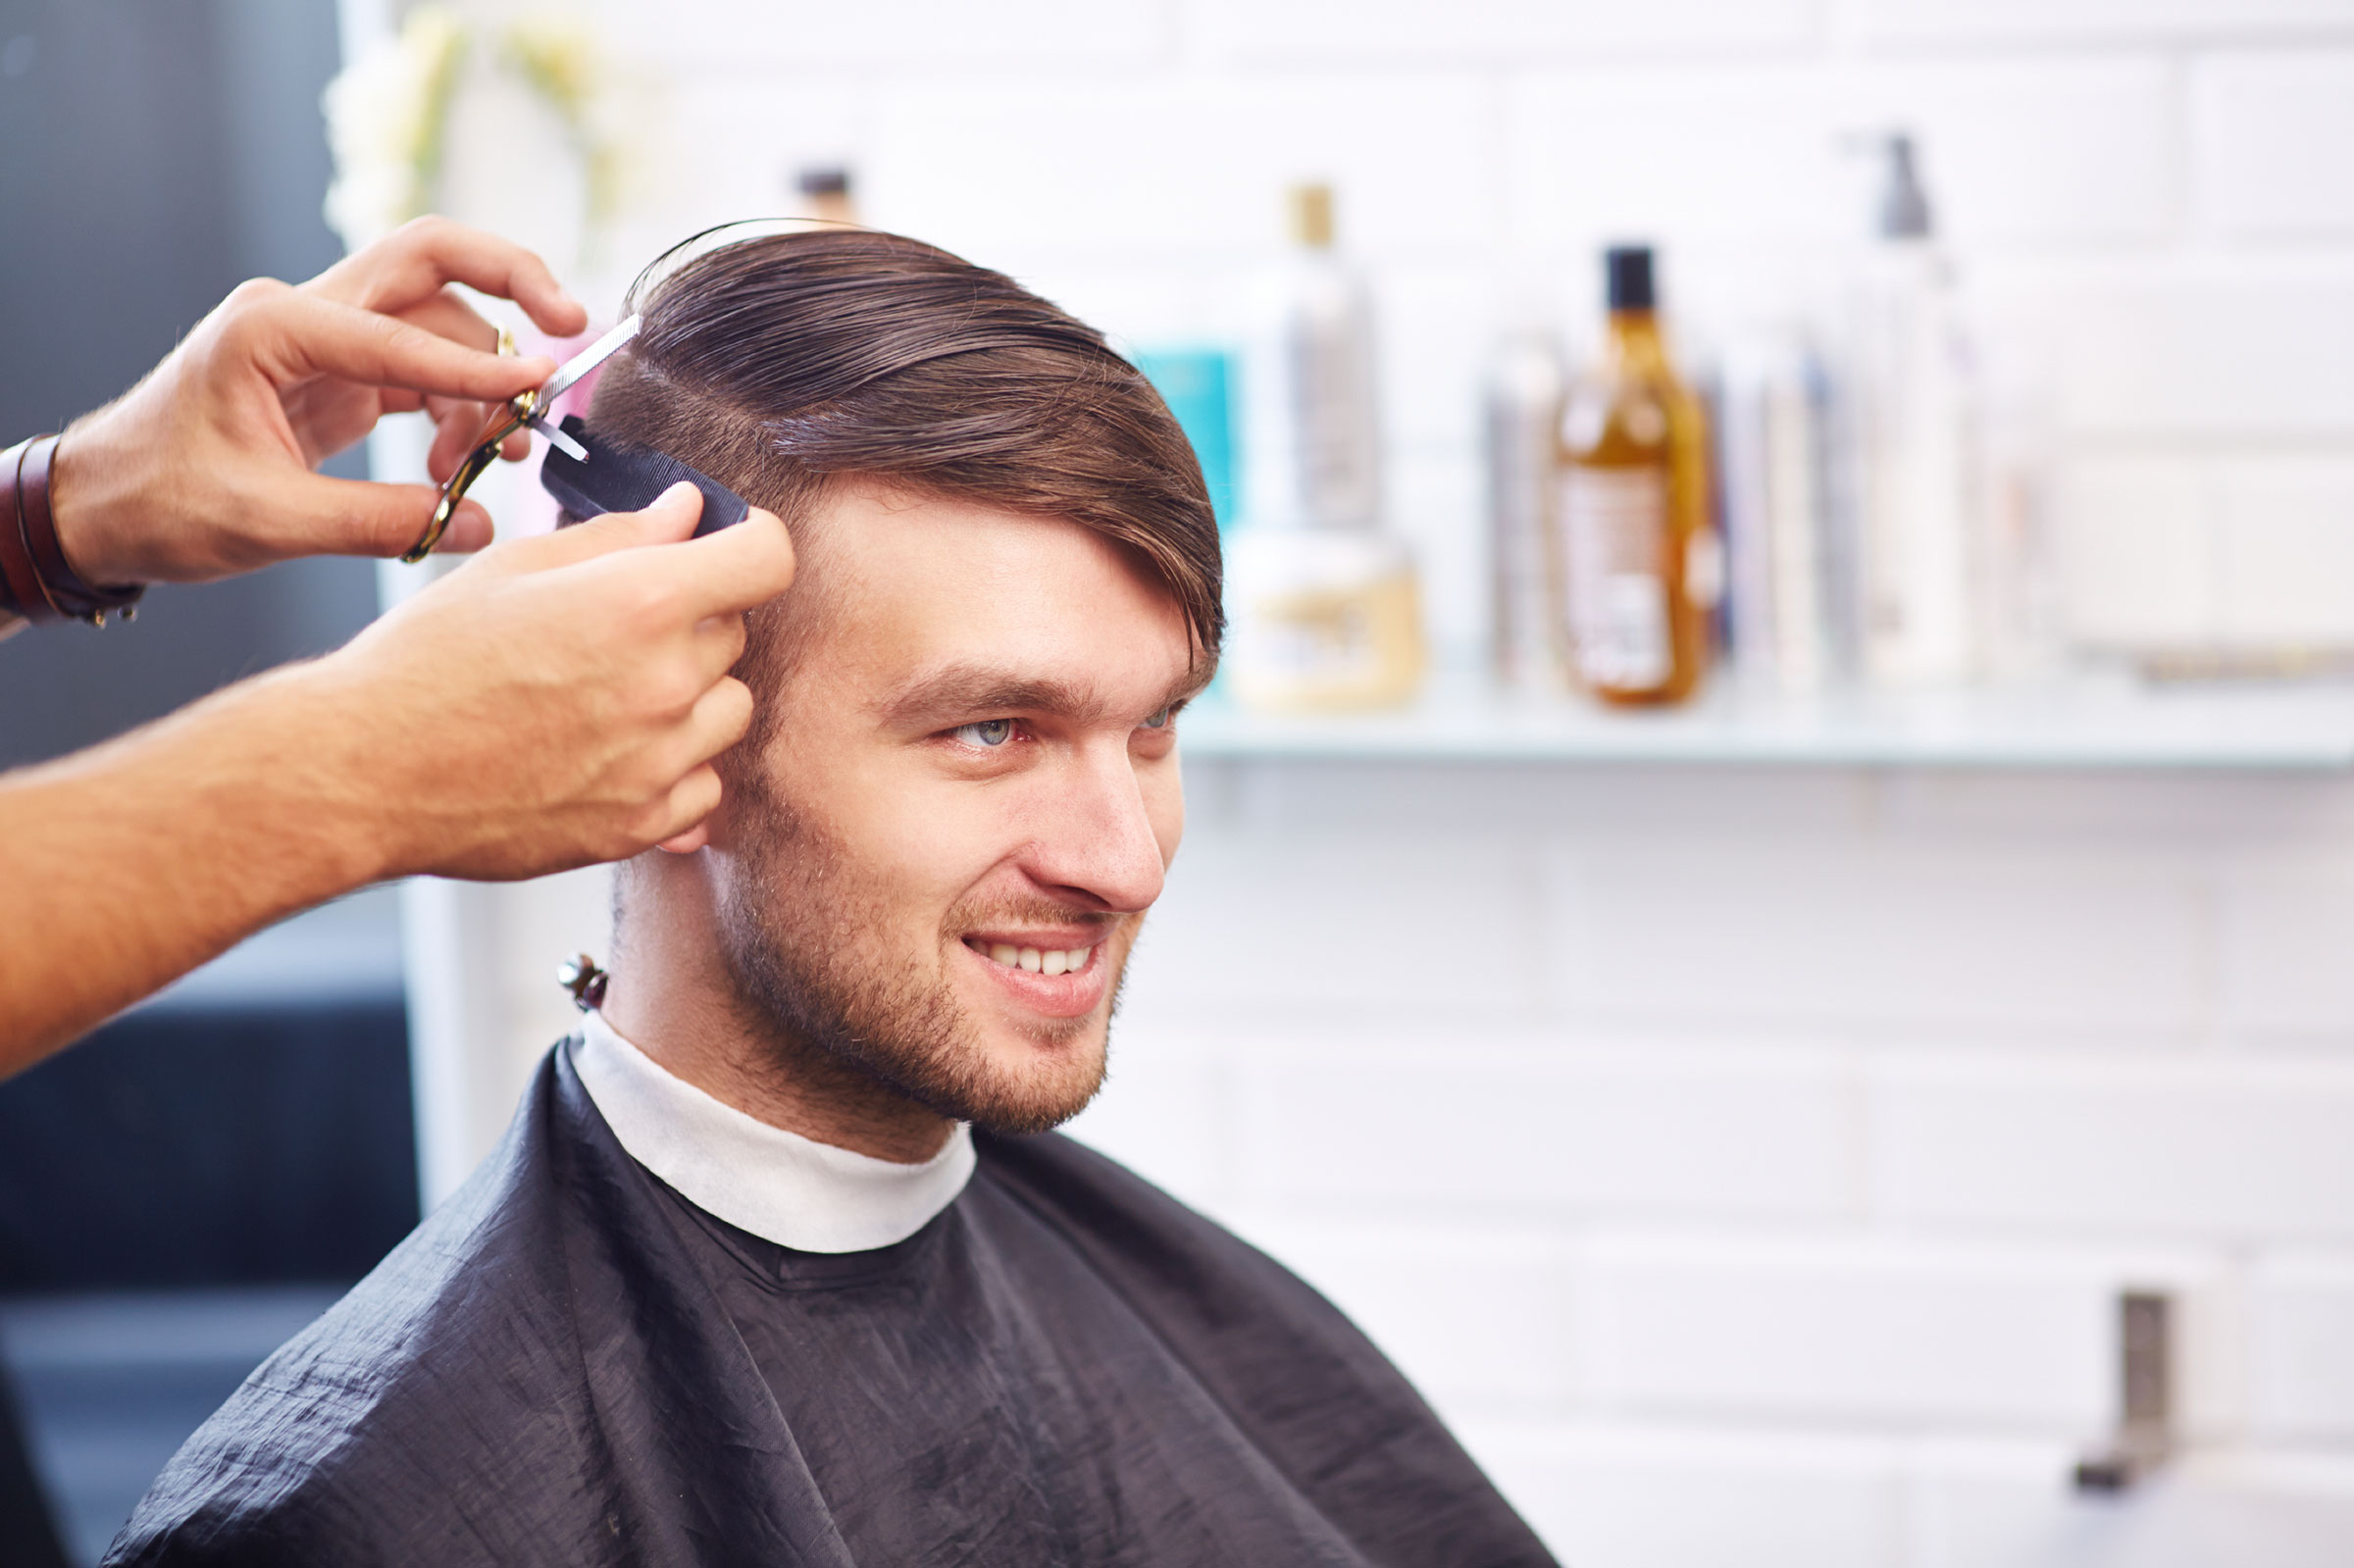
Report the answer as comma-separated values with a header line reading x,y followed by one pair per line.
x,y
384,117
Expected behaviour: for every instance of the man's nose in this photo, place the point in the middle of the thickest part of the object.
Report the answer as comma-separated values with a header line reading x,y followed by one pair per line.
x,y
1092,835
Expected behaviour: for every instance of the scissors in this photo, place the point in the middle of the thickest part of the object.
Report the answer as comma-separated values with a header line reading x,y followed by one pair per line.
x,y
524,411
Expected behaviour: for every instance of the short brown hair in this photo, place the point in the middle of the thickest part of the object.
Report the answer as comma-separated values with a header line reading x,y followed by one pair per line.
x,y
783,363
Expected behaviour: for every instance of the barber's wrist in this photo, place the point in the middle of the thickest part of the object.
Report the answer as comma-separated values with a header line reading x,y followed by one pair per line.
x,y
315,737
97,497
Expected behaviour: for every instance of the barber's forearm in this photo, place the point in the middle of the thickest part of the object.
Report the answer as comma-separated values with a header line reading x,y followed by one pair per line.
x,y
127,866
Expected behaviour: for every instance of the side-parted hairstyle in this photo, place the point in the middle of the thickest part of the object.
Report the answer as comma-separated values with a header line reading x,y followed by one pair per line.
x,y
785,364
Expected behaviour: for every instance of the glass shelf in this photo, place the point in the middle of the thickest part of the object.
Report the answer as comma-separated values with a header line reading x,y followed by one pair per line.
x,y
2082,723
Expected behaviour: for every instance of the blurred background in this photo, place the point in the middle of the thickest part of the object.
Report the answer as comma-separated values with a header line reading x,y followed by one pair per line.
x,y
1770,1023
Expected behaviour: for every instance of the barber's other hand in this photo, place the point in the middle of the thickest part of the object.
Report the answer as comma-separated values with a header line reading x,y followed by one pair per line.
x,y
558,700
206,468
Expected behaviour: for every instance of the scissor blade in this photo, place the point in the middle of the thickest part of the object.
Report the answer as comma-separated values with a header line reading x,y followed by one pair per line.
x,y
558,439
589,359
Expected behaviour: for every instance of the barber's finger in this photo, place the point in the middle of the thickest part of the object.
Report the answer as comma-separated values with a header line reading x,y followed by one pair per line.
x,y
297,335
416,260
315,515
680,822
721,718
446,313
455,430
718,642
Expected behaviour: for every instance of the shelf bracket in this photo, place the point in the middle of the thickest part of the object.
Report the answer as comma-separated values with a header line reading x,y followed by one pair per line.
x,y
2145,1437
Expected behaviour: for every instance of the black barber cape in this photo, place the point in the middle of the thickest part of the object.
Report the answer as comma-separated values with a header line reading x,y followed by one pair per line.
x,y
567,1363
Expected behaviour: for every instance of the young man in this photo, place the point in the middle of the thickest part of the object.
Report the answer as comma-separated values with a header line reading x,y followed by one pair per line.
x,y
780,1263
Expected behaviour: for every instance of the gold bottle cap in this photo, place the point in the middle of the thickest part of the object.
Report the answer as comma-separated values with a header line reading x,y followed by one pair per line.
x,y
1312,215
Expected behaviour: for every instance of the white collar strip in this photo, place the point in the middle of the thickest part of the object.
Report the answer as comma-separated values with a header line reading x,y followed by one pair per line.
x,y
780,1186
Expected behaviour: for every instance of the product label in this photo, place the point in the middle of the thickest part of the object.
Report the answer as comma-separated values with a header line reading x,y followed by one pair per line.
x,y
1311,639
1614,525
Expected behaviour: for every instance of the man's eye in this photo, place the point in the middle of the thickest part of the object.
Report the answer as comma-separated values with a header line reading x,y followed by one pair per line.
x,y
988,732
1160,720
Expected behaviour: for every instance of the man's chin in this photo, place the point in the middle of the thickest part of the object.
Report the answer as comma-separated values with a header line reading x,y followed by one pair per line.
x,y
1027,1085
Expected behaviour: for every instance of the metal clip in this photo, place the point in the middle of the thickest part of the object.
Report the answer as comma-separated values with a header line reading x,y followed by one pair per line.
x,y
580,976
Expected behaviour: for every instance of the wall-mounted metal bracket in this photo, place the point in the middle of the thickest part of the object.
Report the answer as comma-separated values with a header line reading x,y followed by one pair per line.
x,y
2145,1425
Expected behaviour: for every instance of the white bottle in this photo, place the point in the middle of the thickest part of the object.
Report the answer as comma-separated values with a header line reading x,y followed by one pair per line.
x,y
1313,442
1917,484
1325,603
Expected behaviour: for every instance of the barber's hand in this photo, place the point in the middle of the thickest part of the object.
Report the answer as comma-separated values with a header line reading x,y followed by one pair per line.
x,y
205,468
558,700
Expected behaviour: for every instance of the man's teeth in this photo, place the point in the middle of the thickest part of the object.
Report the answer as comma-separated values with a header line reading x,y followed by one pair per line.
x,y
1051,961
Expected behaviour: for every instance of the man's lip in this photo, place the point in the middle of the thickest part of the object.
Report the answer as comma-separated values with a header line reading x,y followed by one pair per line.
x,y
1074,993
1063,937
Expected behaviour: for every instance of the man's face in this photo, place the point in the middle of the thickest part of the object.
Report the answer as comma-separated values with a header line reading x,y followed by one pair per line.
x,y
936,864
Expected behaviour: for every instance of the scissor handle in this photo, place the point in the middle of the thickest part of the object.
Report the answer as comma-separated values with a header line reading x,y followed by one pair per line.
x,y
520,409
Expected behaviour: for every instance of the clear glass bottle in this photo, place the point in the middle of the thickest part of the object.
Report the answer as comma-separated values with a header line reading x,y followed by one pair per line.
x,y
1638,559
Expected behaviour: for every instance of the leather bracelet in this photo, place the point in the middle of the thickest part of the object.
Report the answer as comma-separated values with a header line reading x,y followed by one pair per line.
x,y
19,581
65,595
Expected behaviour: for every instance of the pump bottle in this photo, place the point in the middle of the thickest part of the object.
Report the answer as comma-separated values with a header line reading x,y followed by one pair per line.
x,y
1917,490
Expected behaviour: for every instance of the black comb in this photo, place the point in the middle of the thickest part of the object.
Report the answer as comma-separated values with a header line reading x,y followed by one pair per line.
x,y
617,478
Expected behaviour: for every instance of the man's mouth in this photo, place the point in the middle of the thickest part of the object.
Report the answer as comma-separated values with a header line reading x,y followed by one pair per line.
x,y
1036,960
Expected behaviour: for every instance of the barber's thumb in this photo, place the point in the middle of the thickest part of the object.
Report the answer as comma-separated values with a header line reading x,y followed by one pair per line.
x,y
672,517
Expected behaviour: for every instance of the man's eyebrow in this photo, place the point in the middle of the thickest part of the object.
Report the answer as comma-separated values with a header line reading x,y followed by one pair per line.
x,y
962,690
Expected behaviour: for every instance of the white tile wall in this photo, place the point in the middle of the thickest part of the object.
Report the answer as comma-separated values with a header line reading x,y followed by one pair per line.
x,y
2043,23
2301,1334
1876,1332
1696,1497
1498,32
2285,965
2209,1148
1547,1128
1745,1158
1893,934
2275,142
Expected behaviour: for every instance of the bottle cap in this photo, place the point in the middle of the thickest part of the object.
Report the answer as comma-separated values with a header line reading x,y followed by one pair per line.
x,y
1904,206
1311,216
1628,271
825,179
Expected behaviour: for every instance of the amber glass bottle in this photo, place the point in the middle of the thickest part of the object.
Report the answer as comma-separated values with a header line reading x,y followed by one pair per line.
x,y
1636,558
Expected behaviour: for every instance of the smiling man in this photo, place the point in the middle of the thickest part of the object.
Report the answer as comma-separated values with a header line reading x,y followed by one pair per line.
x,y
780,1262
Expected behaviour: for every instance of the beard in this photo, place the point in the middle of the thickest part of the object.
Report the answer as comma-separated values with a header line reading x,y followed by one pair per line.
x,y
807,937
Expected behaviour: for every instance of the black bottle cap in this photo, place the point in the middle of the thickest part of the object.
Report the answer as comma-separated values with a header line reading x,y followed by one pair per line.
x,y
825,179
1628,269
